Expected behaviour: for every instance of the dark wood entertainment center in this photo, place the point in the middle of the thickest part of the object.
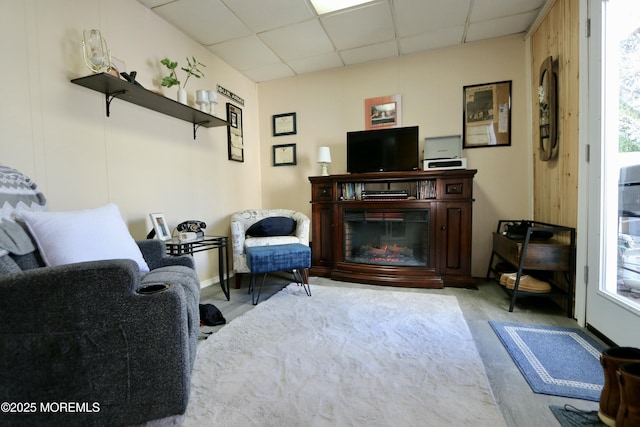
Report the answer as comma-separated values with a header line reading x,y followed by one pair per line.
x,y
410,229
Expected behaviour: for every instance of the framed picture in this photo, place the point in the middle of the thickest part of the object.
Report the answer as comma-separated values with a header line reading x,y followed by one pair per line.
x,y
160,226
487,115
284,155
383,112
234,133
284,124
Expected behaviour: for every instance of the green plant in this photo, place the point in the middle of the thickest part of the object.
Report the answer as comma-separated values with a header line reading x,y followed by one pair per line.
x,y
191,70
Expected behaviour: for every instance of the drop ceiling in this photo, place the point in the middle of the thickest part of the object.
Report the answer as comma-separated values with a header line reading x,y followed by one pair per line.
x,y
272,39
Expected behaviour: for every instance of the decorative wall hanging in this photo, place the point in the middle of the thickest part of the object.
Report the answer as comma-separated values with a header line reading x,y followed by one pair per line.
x,y
487,115
234,133
284,155
383,112
548,110
284,124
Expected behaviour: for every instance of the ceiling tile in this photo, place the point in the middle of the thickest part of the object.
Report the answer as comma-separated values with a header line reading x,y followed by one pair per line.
x,y
269,72
267,39
500,27
370,53
316,63
420,16
205,21
484,10
432,40
298,40
266,15
245,53
361,26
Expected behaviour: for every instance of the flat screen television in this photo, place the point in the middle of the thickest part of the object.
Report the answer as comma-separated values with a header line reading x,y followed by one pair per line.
x,y
383,150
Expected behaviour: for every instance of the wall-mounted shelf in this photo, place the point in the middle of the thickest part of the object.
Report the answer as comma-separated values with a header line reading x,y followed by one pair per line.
x,y
113,87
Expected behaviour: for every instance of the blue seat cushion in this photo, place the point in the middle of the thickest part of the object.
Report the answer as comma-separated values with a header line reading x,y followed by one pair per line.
x,y
265,259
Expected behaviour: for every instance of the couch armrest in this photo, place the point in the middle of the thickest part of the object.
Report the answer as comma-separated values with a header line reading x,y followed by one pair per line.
x,y
303,224
84,333
154,252
237,237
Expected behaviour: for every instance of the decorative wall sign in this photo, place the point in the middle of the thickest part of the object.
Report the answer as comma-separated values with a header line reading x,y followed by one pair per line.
x,y
284,155
234,133
383,112
284,124
230,94
487,115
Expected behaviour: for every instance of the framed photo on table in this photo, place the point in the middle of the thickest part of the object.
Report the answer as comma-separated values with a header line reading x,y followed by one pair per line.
x,y
284,155
160,226
284,124
234,133
487,115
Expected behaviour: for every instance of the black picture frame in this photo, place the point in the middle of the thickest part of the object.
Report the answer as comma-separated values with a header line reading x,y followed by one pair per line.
x,y
284,124
235,141
486,115
284,155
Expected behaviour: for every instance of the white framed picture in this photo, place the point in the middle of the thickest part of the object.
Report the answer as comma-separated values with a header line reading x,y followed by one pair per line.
x,y
160,226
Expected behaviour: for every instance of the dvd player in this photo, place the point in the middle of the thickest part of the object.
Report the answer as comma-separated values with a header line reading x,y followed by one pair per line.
x,y
385,194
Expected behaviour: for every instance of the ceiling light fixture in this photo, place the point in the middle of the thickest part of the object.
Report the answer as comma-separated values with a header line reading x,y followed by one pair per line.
x,y
328,6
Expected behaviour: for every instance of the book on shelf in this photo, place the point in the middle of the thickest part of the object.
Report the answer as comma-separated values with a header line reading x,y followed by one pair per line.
x,y
426,189
351,190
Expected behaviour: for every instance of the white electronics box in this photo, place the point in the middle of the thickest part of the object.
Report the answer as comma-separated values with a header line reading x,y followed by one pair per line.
x,y
443,164
443,152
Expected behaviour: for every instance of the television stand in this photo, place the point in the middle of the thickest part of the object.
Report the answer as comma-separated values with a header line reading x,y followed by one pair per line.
x,y
419,236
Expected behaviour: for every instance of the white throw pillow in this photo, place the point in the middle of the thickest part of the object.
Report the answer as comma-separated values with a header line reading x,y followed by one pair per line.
x,y
86,235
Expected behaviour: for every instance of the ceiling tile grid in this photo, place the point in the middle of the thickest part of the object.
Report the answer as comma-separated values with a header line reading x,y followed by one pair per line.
x,y
272,39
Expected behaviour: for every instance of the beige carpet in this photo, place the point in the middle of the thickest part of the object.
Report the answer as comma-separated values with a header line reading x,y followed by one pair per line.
x,y
343,357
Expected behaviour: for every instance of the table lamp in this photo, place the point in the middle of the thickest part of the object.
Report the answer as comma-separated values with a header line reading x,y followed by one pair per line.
x,y
324,158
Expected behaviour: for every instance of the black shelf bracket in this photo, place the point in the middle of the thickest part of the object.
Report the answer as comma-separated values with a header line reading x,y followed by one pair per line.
x,y
108,97
196,126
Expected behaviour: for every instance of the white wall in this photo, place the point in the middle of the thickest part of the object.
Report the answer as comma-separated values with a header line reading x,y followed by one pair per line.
x,y
145,162
57,132
330,103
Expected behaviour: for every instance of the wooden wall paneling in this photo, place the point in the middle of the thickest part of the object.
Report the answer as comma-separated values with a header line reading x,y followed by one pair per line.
x,y
556,181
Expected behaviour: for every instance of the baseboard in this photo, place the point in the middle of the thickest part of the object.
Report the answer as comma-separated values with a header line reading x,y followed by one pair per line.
x,y
213,281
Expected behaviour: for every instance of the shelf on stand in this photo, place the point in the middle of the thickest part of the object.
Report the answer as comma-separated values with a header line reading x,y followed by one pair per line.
x,y
113,87
554,255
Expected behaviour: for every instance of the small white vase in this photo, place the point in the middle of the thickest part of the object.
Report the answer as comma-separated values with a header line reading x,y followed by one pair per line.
x,y
182,96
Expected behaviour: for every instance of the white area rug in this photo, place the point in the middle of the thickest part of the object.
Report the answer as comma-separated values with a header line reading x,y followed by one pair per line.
x,y
343,357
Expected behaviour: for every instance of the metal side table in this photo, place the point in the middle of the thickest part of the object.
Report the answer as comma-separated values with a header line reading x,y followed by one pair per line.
x,y
177,247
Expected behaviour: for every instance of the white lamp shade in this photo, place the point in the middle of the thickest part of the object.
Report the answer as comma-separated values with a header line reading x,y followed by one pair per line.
x,y
324,155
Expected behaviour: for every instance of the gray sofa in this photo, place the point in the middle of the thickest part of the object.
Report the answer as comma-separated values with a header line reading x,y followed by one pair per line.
x,y
108,344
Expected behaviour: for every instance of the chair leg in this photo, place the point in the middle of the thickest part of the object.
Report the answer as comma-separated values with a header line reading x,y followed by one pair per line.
x,y
238,280
254,298
303,276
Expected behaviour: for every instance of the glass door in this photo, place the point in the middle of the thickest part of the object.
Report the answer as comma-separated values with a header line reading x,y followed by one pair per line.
x,y
613,289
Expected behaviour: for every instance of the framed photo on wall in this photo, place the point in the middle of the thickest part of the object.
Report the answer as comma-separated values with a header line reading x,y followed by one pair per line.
x,y
487,115
383,112
284,155
234,133
160,226
284,124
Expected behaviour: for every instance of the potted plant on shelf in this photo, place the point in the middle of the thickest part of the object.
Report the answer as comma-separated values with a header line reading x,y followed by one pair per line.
x,y
172,79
